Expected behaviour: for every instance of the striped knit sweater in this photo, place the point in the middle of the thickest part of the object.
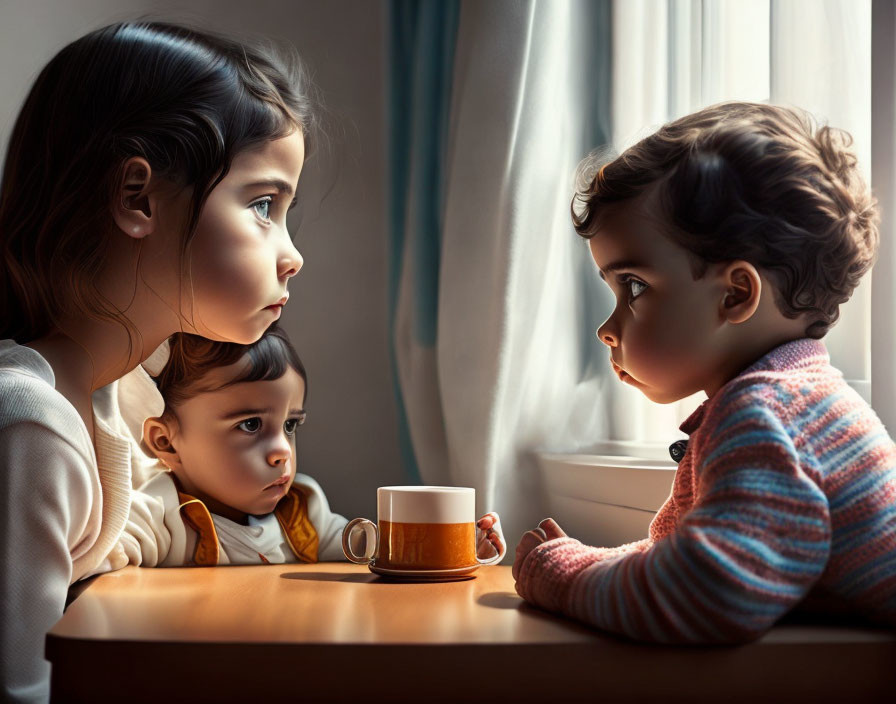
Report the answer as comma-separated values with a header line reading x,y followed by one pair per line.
x,y
785,496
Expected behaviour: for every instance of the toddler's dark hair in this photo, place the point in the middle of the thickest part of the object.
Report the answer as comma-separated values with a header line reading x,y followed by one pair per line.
x,y
192,357
187,101
755,182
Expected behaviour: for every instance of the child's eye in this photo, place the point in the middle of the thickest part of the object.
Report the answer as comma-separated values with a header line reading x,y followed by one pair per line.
x,y
250,425
635,287
290,426
263,208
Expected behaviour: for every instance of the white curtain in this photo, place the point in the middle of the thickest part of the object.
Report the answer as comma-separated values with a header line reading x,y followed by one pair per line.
x,y
509,372
671,57
883,167
515,368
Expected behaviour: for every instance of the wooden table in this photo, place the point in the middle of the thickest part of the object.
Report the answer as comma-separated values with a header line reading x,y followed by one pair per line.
x,y
335,632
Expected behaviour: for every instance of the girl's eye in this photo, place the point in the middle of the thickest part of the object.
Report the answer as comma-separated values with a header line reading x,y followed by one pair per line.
x,y
263,208
250,425
290,426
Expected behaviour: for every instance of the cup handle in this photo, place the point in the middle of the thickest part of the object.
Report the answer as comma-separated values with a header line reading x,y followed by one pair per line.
x,y
372,534
500,556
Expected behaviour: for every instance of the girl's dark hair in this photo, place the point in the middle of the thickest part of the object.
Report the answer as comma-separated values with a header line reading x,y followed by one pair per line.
x,y
755,182
187,101
192,357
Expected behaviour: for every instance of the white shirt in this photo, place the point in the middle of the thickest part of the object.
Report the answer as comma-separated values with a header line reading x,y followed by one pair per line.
x,y
246,544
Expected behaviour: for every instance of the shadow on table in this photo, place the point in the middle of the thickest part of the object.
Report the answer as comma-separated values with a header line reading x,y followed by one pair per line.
x,y
330,577
501,600
370,578
75,590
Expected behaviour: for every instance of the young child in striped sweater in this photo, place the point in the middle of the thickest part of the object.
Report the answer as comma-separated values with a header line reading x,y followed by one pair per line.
x,y
730,238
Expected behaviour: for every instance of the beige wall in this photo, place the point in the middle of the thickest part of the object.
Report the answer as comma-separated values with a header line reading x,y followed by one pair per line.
x,y
337,314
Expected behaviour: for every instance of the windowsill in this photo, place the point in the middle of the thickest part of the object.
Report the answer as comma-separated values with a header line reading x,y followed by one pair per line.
x,y
608,498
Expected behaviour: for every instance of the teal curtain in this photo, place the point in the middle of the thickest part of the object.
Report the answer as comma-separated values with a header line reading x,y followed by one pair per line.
x,y
422,40
488,111
596,93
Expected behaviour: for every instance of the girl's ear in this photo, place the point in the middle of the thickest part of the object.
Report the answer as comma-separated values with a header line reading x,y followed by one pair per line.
x,y
132,206
741,292
158,436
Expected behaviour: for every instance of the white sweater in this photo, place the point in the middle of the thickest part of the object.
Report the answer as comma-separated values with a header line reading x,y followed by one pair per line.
x,y
64,504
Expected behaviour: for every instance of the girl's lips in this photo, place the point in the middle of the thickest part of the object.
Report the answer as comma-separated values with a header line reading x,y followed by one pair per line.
x,y
278,305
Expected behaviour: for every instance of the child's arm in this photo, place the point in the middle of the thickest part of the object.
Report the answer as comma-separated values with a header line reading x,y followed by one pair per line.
x,y
750,549
48,487
155,534
567,556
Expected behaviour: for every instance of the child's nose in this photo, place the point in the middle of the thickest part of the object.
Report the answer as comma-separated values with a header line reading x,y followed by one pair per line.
x,y
279,453
608,334
290,262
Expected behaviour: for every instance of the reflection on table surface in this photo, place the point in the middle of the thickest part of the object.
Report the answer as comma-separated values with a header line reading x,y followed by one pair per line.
x,y
213,630
322,603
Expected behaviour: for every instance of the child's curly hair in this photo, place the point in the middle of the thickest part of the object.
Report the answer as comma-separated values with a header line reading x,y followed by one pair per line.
x,y
756,182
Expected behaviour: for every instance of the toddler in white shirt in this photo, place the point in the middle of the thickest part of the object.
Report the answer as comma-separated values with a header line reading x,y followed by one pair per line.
x,y
231,494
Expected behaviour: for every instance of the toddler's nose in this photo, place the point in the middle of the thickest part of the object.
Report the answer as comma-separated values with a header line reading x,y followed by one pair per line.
x,y
279,454
607,334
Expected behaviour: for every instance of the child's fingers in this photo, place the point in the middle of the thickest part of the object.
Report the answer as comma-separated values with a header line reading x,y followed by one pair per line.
x,y
486,548
488,528
487,521
516,567
551,529
490,545
530,540
496,535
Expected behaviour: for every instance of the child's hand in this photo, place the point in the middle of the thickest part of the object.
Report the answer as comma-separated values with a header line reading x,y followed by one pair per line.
x,y
491,541
547,530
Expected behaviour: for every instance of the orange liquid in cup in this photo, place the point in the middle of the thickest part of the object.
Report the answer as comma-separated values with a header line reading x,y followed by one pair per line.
x,y
426,546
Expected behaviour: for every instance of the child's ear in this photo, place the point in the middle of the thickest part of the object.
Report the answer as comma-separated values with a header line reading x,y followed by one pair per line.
x,y
132,206
158,435
742,289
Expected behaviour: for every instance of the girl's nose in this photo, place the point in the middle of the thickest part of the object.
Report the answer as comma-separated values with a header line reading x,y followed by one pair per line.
x,y
290,261
608,334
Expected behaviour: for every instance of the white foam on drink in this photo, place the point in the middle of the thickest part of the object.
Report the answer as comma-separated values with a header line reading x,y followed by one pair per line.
x,y
426,504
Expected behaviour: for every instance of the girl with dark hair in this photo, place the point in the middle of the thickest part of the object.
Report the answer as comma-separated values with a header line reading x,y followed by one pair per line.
x,y
144,193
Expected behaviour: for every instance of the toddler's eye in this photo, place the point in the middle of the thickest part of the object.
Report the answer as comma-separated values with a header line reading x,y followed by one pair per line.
x,y
635,287
290,426
263,208
250,425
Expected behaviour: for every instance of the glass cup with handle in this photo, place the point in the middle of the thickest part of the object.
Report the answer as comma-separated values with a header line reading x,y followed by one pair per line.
x,y
419,530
